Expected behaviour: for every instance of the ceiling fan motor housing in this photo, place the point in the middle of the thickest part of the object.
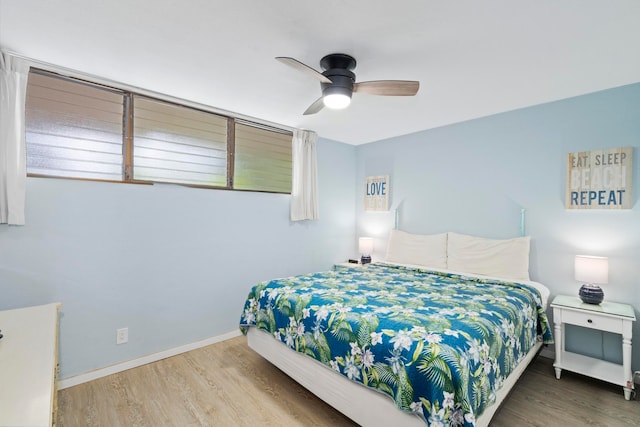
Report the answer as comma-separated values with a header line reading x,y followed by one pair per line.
x,y
342,82
337,68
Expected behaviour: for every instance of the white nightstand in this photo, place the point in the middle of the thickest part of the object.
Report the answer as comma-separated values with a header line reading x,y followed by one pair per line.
x,y
607,316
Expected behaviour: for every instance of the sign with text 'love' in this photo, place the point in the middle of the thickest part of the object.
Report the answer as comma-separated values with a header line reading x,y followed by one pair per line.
x,y
376,193
600,179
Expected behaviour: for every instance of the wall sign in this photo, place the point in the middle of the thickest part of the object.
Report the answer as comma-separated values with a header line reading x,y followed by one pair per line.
x,y
376,193
600,179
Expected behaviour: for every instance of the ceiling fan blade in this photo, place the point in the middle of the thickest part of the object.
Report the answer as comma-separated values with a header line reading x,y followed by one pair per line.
x,y
317,105
304,68
387,87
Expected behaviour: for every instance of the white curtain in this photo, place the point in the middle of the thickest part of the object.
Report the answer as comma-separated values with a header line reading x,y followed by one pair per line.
x,y
304,192
14,73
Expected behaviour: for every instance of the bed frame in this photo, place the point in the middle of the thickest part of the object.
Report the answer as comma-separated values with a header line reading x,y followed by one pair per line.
x,y
363,405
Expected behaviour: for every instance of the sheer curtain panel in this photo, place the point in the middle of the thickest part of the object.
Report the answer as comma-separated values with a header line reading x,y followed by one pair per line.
x,y
14,73
304,191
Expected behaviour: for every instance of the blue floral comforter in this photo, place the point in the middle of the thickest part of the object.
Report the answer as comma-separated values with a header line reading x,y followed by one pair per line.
x,y
438,344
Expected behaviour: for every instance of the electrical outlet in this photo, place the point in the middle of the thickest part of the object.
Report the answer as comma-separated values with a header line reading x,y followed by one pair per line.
x,y
122,335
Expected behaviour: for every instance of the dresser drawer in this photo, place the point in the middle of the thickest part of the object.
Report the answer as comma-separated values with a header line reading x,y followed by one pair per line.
x,y
592,320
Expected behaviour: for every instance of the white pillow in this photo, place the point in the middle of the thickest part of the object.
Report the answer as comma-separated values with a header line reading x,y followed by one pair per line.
x,y
507,259
426,250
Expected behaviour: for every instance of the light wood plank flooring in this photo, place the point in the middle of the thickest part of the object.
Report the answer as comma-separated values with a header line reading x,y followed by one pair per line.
x,y
227,384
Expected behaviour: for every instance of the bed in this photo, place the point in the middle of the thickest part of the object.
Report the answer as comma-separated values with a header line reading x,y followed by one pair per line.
x,y
435,335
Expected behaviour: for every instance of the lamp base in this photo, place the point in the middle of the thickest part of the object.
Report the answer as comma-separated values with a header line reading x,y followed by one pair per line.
x,y
591,294
366,259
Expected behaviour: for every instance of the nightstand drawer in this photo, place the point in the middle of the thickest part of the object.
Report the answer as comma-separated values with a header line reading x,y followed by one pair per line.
x,y
592,320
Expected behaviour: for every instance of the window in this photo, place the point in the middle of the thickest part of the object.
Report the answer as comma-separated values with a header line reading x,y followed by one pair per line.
x,y
262,160
73,129
77,129
172,143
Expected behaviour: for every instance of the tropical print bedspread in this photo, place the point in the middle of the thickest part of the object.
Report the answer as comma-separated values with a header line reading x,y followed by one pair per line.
x,y
440,345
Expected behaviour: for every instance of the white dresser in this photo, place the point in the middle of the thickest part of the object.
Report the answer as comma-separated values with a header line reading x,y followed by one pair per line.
x,y
28,366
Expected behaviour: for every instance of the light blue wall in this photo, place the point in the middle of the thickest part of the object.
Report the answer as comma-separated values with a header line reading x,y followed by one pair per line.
x,y
173,264
474,177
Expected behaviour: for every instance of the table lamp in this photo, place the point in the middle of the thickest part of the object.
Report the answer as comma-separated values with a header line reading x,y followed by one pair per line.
x,y
365,245
591,271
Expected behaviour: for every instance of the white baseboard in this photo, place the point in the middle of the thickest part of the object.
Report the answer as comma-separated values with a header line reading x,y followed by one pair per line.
x,y
119,367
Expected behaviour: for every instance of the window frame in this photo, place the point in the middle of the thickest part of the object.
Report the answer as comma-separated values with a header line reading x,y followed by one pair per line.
x,y
129,94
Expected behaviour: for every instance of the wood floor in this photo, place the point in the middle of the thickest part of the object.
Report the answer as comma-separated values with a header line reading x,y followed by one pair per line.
x,y
227,384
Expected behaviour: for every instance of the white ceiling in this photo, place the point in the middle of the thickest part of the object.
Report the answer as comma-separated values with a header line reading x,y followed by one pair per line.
x,y
473,58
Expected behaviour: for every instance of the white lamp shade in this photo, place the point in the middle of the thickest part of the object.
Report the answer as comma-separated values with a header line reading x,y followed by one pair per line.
x,y
336,101
365,245
592,269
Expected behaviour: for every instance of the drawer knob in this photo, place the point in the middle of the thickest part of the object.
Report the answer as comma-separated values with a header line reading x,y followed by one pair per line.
x,y
589,321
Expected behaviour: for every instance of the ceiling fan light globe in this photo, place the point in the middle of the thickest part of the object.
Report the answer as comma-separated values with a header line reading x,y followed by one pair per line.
x,y
336,101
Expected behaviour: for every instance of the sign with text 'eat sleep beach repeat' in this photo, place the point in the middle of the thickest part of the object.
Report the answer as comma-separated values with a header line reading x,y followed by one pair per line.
x,y
376,193
600,179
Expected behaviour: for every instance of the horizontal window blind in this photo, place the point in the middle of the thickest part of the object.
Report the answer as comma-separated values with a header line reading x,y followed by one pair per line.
x,y
73,129
172,143
262,159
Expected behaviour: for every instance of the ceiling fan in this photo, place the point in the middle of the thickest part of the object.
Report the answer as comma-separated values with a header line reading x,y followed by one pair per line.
x,y
338,82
